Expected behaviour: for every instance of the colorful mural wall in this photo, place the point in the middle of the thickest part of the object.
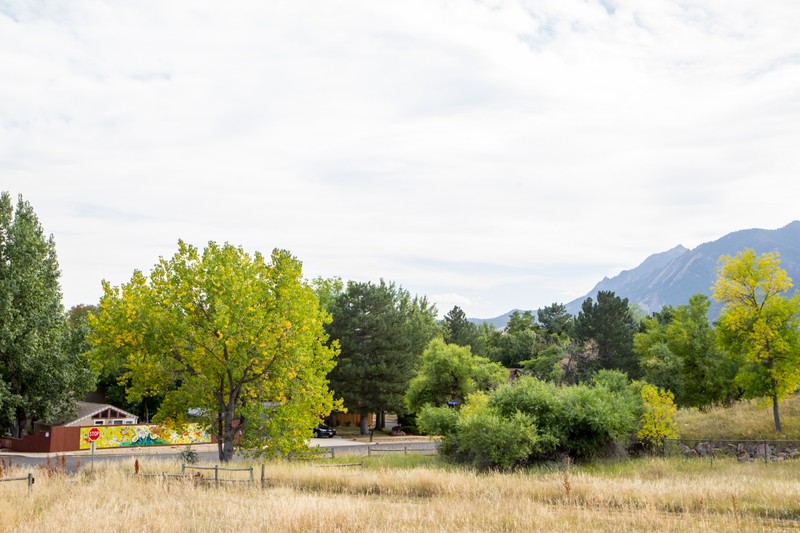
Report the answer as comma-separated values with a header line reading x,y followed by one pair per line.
x,y
144,435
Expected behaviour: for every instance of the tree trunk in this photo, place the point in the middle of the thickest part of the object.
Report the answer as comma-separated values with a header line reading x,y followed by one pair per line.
x,y
229,432
220,436
364,421
21,423
380,420
775,413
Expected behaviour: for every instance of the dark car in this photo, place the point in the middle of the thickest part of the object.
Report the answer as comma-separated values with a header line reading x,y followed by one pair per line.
x,y
324,430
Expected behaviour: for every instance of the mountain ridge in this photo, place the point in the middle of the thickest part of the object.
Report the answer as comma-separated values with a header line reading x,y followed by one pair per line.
x,y
672,276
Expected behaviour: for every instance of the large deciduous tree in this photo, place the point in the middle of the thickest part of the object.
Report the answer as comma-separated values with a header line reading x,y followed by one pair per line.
x,y
39,380
449,373
678,351
227,334
517,342
760,323
382,331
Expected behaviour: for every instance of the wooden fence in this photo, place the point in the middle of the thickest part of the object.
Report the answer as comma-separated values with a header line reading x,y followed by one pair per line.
x,y
198,477
405,450
29,478
340,465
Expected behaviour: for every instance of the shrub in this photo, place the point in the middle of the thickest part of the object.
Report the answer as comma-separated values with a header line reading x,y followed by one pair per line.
x,y
437,420
189,455
539,419
658,420
486,439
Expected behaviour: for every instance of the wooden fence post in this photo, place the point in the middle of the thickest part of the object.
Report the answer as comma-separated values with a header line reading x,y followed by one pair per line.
x,y
30,482
216,474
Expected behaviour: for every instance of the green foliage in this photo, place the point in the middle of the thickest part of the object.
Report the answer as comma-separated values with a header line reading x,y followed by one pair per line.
x,y
657,422
760,324
437,420
611,325
548,364
228,334
516,343
678,351
327,290
564,361
457,329
449,373
555,319
486,439
540,419
189,455
382,331
41,371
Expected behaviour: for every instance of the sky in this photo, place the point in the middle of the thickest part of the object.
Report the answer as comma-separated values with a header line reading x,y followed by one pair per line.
x,y
487,154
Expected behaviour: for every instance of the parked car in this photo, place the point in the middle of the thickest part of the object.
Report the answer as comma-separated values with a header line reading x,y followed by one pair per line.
x,y
323,430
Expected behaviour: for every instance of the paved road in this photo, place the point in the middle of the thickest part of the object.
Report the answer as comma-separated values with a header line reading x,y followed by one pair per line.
x,y
208,454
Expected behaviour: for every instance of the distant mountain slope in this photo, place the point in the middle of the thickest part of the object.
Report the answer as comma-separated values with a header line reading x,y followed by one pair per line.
x,y
497,322
671,277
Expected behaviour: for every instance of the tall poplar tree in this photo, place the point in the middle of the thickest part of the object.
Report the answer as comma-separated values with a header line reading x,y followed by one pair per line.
x,y
39,379
760,323
233,336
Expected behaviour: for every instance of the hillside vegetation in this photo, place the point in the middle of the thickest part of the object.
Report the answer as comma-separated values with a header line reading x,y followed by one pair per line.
x,y
749,419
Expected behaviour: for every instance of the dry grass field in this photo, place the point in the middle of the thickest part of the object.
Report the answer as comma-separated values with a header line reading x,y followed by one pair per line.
x,y
749,419
417,494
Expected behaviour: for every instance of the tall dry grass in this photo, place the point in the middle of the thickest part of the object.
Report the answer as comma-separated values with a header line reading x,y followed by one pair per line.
x,y
651,494
748,419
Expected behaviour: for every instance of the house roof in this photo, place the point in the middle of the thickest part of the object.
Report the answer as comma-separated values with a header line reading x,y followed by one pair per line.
x,y
87,410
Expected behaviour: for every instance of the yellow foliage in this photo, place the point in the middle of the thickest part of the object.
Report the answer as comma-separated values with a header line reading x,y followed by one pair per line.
x,y
658,420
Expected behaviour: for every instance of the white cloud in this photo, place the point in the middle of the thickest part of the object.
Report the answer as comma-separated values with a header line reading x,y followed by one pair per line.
x,y
412,141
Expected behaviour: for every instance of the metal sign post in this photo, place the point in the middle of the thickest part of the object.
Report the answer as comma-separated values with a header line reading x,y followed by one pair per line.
x,y
94,434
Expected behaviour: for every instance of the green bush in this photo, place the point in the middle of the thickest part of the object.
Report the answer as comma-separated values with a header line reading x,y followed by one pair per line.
x,y
486,439
437,420
533,419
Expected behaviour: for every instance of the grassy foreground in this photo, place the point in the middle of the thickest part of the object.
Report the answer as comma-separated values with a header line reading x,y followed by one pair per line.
x,y
418,494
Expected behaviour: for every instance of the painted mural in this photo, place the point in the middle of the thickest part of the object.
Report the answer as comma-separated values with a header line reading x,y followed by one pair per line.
x,y
143,435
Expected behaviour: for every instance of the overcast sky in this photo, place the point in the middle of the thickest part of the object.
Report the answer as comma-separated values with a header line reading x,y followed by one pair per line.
x,y
493,155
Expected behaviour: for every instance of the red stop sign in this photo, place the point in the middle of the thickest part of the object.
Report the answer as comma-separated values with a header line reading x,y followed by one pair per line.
x,y
94,434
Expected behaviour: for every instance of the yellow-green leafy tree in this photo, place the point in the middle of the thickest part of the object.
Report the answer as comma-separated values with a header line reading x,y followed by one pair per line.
x,y
657,422
232,337
759,322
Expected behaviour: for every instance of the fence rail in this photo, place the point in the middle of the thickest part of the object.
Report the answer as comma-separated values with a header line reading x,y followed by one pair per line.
x,y
29,478
217,469
312,455
339,465
405,450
